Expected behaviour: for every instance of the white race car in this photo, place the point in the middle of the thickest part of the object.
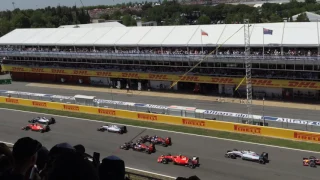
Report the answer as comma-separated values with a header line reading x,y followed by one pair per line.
x,y
248,155
113,128
43,120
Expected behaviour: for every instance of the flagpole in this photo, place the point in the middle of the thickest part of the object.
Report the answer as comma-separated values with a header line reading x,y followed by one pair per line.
x,y
263,42
201,42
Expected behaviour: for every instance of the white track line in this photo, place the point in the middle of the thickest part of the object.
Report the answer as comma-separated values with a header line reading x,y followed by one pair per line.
x,y
134,169
82,119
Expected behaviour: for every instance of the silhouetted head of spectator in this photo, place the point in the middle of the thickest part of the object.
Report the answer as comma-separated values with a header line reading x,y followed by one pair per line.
x,y
59,150
71,166
24,153
43,156
112,168
5,163
80,149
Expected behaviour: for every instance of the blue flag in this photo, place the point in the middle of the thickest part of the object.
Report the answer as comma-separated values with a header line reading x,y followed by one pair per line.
x,y
267,31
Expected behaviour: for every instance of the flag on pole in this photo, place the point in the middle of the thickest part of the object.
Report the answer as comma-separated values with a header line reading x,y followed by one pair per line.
x,y
267,31
203,33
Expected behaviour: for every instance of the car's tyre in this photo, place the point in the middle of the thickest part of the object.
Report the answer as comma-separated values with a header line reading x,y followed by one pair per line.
x,y
261,161
164,161
164,145
226,156
313,164
233,156
27,128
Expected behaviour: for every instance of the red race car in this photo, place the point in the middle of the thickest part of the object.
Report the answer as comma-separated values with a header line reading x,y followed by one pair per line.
x,y
311,161
37,128
156,140
179,160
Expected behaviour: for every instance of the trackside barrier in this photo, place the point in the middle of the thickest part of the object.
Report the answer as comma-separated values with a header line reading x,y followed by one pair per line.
x,y
159,118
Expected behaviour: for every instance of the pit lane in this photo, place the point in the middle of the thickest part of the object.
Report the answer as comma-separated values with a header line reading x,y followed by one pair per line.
x,y
284,164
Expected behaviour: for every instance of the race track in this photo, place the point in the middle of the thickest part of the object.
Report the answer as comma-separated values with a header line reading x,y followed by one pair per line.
x,y
229,107
284,164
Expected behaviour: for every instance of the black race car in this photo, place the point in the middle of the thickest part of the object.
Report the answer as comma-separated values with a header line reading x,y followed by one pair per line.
x,y
139,147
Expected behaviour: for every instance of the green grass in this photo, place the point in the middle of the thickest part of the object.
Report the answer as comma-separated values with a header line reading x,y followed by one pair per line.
x,y
213,133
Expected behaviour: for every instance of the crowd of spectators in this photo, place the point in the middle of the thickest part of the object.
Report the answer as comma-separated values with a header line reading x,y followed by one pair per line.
x,y
268,51
204,71
30,160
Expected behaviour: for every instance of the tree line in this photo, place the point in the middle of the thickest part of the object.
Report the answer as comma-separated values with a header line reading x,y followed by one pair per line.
x,y
168,13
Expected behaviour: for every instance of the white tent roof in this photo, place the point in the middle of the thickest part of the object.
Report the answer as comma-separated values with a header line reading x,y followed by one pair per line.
x,y
296,34
95,25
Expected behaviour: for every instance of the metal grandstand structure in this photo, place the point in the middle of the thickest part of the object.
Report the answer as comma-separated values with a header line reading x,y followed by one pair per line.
x,y
248,68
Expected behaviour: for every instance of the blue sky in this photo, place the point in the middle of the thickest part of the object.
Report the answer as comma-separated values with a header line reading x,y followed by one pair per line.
x,y
34,4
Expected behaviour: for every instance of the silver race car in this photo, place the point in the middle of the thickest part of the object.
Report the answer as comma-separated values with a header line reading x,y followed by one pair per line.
x,y
262,158
113,128
43,120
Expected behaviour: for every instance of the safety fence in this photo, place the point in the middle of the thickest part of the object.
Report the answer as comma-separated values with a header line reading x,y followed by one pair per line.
x,y
175,120
192,112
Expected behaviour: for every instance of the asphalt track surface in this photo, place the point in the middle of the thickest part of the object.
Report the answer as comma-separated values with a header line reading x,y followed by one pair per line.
x,y
284,164
228,107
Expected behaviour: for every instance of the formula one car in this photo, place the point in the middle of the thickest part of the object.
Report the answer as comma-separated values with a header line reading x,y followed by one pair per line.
x,y
311,161
262,158
179,160
113,128
37,127
156,140
43,120
139,147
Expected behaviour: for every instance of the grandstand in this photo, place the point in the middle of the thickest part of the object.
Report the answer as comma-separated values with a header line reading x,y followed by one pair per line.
x,y
285,57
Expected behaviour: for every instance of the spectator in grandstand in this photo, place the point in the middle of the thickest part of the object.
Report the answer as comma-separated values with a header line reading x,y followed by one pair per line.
x,y
71,166
6,160
112,168
24,155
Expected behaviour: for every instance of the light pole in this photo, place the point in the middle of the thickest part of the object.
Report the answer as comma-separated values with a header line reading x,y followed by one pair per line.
x,y
264,121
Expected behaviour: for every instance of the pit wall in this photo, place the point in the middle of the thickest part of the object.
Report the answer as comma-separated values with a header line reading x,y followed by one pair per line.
x,y
159,118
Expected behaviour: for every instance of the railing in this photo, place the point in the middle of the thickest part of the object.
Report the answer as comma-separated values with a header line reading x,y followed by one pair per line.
x,y
160,57
286,123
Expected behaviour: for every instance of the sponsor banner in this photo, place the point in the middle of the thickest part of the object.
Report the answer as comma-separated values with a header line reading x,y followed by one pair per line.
x,y
114,102
150,106
247,129
193,122
147,117
275,83
39,104
230,114
71,107
305,136
107,112
291,121
12,101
